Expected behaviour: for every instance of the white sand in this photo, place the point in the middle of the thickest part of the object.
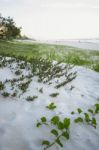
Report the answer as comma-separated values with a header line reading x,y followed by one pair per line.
x,y
18,117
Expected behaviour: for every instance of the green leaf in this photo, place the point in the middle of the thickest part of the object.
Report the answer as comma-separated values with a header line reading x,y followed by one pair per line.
x,y
55,120
94,123
51,106
79,119
97,108
59,142
72,112
38,124
66,123
90,110
45,142
79,110
43,119
55,132
87,118
66,135
60,125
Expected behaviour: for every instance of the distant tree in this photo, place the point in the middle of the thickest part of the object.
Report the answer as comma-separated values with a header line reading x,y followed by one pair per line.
x,y
2,27
12,30
8,28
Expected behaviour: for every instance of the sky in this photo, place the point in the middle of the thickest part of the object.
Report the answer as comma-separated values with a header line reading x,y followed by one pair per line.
x,y
54,19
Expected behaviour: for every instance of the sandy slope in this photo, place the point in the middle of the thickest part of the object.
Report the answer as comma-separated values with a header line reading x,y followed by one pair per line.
x,y
18,117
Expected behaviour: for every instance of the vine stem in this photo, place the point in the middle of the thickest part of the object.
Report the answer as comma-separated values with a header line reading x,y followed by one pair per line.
x,y
53,142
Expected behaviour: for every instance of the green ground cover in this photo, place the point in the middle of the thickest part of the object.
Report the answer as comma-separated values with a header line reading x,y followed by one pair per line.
x,y
67,54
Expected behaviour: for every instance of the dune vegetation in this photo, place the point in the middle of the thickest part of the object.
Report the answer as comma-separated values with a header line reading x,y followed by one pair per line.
x,y
67,54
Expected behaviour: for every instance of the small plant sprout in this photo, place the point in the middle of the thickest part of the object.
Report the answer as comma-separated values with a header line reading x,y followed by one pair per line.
x,y
51,106
31,98
60,130
54,94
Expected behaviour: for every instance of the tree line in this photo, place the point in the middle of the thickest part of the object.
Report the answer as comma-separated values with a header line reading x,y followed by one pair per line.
x,y
8,28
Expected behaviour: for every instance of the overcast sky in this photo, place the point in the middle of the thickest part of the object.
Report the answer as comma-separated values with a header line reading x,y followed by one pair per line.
x,y
54,19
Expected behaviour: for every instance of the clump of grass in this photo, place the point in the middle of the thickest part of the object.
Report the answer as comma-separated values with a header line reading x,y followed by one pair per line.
x,y
18,72
47,71
16,79
69,78
1,86
40,67
23,86
5,94
29,76
31,98
54,94
21,78
22,65
77,57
